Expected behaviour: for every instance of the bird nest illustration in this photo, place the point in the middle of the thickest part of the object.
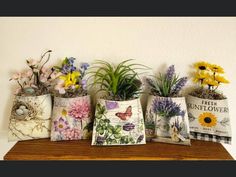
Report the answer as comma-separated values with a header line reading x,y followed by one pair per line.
x,y
23,111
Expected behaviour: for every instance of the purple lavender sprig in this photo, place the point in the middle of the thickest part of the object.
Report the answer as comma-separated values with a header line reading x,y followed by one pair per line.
x,y
165,107
179,85
170,72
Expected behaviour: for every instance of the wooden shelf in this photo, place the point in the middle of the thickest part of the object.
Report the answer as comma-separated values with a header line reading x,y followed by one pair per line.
x,y
44,149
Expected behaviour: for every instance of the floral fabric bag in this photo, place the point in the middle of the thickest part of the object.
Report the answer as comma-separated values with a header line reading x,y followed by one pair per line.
x,y
118,123
167,120
71,119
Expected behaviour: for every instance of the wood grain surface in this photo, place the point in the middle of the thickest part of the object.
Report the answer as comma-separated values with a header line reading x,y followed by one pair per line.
x,y
44,149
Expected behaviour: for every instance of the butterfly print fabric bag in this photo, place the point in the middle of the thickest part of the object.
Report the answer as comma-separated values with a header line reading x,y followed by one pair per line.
x,y
118,123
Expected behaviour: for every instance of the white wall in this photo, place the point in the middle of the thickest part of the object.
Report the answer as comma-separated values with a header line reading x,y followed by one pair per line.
x,y
153,41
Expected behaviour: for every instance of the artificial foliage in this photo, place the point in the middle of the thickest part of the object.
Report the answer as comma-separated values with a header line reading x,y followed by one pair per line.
x,y
120,82
166,85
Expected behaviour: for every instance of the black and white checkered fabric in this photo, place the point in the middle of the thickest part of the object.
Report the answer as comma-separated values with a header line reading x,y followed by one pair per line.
x,y
209,137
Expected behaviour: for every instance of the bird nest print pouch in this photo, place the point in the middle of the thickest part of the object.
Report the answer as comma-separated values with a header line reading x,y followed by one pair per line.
x,y
30,118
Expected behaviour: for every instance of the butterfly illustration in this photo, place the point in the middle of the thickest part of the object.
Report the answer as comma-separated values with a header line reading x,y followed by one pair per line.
x,y
125,115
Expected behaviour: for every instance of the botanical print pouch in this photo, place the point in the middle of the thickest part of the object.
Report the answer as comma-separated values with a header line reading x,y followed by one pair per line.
x,y
30,118
71,119
166,120
118,123
209,119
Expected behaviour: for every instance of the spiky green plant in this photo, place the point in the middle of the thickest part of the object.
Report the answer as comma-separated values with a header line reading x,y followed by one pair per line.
x,y
167,84
119,82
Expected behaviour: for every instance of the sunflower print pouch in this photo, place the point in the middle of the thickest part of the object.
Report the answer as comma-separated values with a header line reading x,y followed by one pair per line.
x,y
209,119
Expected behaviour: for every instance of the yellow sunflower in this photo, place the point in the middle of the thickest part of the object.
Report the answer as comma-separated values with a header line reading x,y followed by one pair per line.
x,y
221,79
210,81
216,68
200,76
207,119
201,65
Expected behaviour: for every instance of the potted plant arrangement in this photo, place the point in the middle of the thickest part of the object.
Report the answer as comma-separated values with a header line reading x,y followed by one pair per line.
x,y
119,117
31,112
72,114
207,107
166,119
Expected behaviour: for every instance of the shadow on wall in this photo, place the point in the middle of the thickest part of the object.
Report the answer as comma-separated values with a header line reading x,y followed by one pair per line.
x,y
7,109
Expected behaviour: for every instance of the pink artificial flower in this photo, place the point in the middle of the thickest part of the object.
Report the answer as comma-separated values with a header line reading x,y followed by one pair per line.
x,y
16,76
33,63
55,75
72,134
17,91
28,73
61,124
79,109
60,87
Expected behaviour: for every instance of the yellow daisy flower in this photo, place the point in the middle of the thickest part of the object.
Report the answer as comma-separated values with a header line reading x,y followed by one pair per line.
x,y
221,79
201,65
216,69
207,119
70,79
64,112
210,81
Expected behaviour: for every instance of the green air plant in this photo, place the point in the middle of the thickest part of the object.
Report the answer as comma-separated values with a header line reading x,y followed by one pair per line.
x,y
119,82
166,85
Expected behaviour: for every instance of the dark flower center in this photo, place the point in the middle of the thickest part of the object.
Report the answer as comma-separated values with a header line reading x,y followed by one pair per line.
x,y
207,120
202,67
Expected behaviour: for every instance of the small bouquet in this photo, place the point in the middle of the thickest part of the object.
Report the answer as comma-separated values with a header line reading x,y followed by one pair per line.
x,y
37,79
72,114
209,77
71,82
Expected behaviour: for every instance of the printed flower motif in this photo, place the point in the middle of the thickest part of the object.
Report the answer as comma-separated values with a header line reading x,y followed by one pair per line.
x,y
61,125
79,109
100,140
207,119
216,68
128,127
166,108
111,105
140,138
72,134
202,65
